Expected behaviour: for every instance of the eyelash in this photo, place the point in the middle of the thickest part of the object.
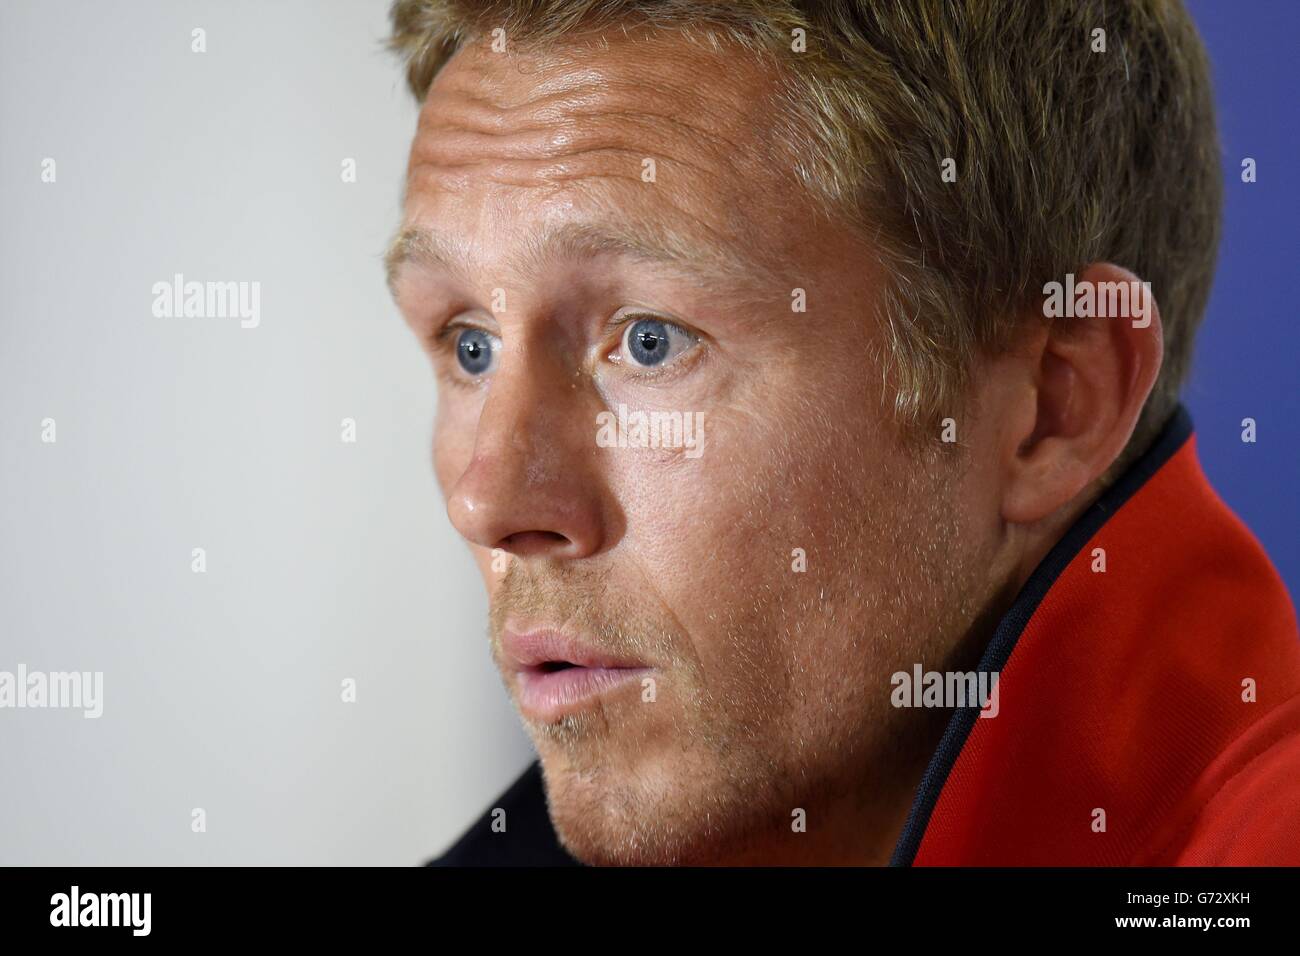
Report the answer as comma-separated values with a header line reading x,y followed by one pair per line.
x,y
443,343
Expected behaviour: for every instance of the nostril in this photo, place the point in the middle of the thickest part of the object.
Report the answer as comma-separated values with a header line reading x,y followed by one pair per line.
x,y
532,542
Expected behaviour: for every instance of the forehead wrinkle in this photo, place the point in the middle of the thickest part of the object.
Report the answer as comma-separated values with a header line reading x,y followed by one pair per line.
x,y
570,111
537,149
563,120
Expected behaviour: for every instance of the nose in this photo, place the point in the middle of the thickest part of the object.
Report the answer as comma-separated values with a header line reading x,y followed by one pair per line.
x,y
532,485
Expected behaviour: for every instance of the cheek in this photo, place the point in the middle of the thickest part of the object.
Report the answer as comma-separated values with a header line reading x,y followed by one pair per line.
x,y
770,480
743,544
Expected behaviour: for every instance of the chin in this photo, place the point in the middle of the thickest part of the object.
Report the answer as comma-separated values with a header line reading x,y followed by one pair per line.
x,y
602,840
646,815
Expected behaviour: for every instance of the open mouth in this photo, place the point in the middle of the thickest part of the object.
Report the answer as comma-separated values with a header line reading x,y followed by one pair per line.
x,y
550,667
551,689
556,673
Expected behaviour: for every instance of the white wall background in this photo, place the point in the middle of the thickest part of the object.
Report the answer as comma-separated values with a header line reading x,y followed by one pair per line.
x,y
325,560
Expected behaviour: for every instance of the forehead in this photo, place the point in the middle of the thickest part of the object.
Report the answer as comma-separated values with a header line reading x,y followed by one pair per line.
x,y
647,128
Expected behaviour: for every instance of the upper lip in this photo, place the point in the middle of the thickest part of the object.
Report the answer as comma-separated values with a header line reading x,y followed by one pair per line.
x,y
525,650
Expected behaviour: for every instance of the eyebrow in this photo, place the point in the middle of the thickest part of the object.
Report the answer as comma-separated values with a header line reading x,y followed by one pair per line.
x,y
575,241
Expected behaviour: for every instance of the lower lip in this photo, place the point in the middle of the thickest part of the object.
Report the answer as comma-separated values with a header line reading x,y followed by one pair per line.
x,y
548,695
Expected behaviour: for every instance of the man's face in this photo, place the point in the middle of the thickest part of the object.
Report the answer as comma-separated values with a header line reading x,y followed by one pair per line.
x,y
746,599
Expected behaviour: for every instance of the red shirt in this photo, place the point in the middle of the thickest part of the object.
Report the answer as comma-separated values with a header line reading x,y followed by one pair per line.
x,y
1148,714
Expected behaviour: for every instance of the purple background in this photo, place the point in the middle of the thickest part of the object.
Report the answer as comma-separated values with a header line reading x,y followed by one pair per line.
x,y
1248,347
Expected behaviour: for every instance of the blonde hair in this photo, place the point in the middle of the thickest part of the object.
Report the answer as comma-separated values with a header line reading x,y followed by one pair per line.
x,y
1063,156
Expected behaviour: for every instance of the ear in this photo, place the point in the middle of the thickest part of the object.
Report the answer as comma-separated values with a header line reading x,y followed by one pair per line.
x,y
1091,372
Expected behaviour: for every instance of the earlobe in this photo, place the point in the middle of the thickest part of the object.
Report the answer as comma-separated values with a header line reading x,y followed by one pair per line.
x,y
1093,372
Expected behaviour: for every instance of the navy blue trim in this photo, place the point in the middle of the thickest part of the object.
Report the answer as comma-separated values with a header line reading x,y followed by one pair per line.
x,y
1172,437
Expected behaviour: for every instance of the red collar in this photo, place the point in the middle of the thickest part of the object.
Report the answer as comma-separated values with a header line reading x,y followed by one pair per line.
x,y
1120,692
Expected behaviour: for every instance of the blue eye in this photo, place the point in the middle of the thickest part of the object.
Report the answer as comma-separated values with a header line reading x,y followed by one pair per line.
x,y
651,342
474,351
